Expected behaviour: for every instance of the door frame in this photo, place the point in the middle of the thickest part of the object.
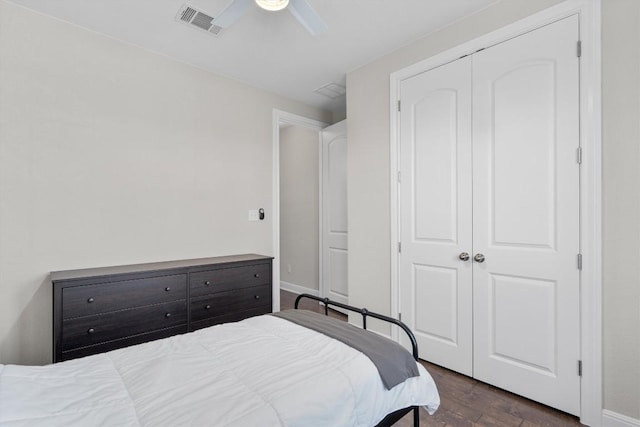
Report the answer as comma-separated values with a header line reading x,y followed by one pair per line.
x,y
284,118
589,12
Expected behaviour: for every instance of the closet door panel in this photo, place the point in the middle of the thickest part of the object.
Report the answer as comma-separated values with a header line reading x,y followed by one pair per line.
x,y
526,215
435,171
523,148
435,192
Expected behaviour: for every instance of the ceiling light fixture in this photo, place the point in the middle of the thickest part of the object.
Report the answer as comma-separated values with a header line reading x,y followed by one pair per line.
x,y
272,5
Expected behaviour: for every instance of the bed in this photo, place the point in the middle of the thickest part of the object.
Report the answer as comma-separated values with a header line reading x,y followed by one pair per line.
x,y
262,371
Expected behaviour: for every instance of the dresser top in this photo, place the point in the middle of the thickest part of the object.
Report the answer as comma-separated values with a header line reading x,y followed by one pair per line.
x,y
86,273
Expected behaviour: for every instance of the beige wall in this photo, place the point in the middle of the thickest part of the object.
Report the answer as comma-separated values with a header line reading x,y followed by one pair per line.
x,y
299,163
621,181
368,178
109,155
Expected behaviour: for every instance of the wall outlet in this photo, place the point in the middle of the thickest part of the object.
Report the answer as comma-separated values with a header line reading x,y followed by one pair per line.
x,y
253,215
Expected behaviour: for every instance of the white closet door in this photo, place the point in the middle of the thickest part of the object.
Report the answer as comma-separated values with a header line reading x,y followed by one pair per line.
x,y
435,213
334,213
526,215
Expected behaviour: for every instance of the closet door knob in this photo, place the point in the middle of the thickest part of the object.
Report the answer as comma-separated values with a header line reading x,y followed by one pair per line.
x,y
207,283
167,315
256,296
464,256
207,307
478,258
167,288
91,331
257,275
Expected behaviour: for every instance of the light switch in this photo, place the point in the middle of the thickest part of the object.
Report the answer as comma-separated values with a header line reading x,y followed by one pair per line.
x,y
253,215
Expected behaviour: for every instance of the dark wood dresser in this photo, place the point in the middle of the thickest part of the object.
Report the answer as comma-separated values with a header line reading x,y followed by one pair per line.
x,y
101,309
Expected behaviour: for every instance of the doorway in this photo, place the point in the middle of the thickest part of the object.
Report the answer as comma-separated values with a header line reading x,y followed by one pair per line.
x,y
296,138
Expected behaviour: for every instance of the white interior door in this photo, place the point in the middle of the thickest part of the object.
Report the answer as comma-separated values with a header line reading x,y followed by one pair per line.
x,y
334,213
526,215
435,212
488,156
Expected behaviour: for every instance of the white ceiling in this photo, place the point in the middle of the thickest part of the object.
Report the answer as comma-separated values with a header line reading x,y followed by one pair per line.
x,y
269,50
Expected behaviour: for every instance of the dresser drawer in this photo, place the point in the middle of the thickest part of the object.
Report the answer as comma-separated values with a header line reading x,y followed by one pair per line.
x,y
99,298
120,343
90,330
225,279
236,301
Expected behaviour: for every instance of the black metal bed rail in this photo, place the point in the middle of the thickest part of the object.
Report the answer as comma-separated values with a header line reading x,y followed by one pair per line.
x,y
392,418
365,313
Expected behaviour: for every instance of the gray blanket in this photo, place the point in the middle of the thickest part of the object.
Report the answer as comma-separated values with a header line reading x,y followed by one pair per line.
x,y
394,363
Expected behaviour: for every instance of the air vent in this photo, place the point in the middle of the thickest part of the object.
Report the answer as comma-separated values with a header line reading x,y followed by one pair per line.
x,y
331,90
193,17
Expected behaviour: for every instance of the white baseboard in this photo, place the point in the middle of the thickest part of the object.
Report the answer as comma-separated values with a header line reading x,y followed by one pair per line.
x,y
297,289
613,419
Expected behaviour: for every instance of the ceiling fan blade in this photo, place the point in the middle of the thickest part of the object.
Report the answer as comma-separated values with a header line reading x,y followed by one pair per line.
x,y
232,13
308,17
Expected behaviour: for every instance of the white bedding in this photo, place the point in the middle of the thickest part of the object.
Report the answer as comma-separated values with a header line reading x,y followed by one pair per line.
x,y
263,371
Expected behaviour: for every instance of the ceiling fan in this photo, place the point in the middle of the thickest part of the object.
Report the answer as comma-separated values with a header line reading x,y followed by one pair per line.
x,y
300,9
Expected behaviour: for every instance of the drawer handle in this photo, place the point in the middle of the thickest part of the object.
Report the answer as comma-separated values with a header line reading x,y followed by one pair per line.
x,y
91,331
167,289
90,300
257,275
207,283
256,296
167,315
207,307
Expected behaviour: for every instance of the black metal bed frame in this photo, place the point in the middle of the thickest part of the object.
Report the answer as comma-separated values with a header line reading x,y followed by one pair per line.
x,y
393,417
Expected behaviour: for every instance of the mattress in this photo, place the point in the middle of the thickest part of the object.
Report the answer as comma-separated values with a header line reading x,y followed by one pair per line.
x,y
262,371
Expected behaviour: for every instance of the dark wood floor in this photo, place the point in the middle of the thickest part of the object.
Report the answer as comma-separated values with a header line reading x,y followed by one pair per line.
x,y
465,401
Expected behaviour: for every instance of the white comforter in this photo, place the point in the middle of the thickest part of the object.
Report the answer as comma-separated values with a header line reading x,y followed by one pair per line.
x,y
263,371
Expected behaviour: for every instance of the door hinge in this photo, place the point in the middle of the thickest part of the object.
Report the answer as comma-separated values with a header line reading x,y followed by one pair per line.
x,y
579,48
399,247
399,105
579,261
579,368
400,317
399,177
579,155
